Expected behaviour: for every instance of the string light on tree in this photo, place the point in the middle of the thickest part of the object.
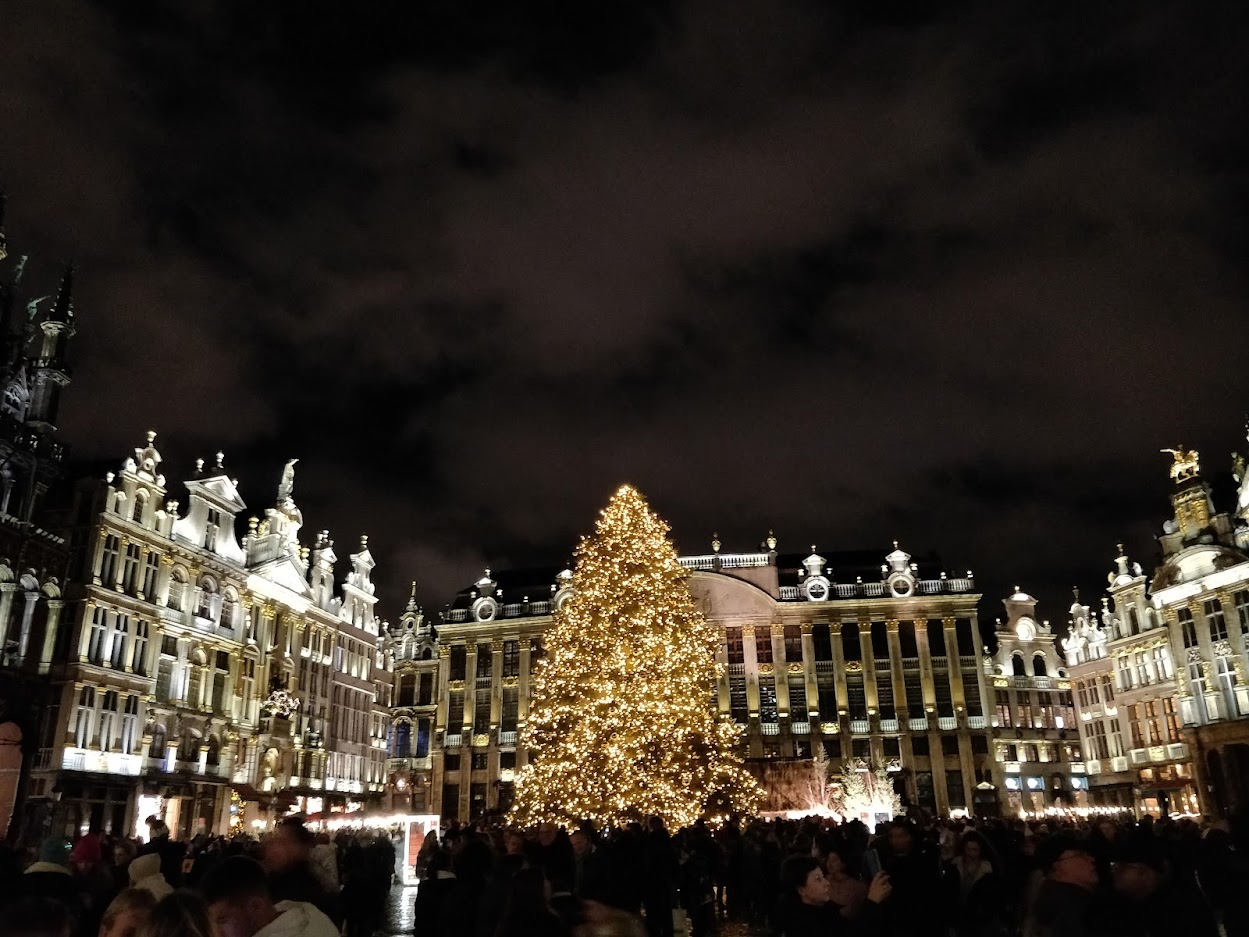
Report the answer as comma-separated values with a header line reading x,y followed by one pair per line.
x,y
623,723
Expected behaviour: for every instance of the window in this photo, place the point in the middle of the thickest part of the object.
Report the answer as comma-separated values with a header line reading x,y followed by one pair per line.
x,y
228,608
798,698
82,725
1094,694
906,639
763,645
1152,726
422,737
138,659
130,726
1162,663
481,712
857,698
151,567
936,638
1225,677
971,692
1083,694
459,662
1134,726
1241,599
968,645
425,689
108,720
1002,702
485,661
401,740
1116,739
220,678
919,745
851,648
95,645
177,590
914,693
767,699
793,644
822,639
407,689
1188,627
1134,623
942,694
210,529
1108,689
108,564
880,643
511,708
884,693
1038,666
1025,710
734,649
1197,679
1215,619
1172,718
1142,670
1018,667
121,634
130,570
455,712
207,599
1124,673
737,699
511,658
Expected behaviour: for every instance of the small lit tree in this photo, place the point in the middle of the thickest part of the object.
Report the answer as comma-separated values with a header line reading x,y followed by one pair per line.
x,y
865,792
623,721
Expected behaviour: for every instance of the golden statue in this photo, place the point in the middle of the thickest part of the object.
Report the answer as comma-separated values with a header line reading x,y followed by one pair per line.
x,y
1184,464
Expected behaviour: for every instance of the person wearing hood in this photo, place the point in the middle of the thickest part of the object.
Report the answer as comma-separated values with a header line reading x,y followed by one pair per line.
x,y
50,877
145,872
239,904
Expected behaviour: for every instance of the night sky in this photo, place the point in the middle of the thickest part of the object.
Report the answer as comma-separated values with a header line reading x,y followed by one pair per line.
x,y
855,271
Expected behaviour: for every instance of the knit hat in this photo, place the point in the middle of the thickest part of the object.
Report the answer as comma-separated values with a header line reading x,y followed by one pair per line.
x,y
87,850
145,873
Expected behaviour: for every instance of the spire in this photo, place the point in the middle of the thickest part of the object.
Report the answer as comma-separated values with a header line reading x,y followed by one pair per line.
x,y
63,311
411,606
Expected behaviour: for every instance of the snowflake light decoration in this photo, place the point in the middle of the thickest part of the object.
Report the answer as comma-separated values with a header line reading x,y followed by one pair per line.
x,y
281,703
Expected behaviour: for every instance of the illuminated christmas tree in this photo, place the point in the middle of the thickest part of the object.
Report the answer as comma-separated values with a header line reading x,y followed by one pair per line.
x,y
866,792
623,723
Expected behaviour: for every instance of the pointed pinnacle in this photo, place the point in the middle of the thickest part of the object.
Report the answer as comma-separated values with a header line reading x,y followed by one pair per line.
x,y
63,311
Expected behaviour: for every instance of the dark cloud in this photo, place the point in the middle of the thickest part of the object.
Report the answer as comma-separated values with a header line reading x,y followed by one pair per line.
x,y
856,273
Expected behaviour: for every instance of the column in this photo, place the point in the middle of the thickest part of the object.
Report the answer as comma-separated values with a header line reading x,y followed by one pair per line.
x,y
522,698
182,677
780,668
470,691
808,672
139,573
28,617
97,559
444,692
49,634
949,626
892,627
751,656
120,564
7,590
496,684
870,697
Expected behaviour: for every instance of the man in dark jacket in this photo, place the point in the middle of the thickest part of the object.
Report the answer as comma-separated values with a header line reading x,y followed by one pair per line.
x,y
1064,904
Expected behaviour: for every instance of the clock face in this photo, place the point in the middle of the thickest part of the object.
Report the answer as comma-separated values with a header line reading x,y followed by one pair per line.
x,y
1026,630
817,591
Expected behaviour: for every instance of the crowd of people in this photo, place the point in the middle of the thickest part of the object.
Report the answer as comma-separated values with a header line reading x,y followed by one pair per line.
x,y
794,878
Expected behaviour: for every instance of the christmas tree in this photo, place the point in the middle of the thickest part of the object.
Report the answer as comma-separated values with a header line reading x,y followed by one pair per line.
x,y
623,722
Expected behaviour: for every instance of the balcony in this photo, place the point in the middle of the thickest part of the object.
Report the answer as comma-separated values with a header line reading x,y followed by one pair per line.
x,y
1118,763
947,723
452,741
1092,766
1177,751
507,738
770,728
1139,756
790,594
800,728
860,726
889,725
1079,767
977,722
918,725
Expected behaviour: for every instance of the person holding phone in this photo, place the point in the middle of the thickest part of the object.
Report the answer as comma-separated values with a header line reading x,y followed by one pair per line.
x,y
806,907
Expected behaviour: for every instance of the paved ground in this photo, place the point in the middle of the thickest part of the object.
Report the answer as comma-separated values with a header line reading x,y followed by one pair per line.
x,y
399,920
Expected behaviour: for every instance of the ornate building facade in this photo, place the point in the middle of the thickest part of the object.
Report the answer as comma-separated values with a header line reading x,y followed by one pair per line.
x,y
1160,678
35,336
1034,714
875,661
413,651
190,664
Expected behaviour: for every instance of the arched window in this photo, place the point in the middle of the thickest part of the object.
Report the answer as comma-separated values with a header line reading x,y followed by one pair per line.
x,y
214,751
1018,666
403,740
229,607
207,598
1038,666
157,748
177,590
140,506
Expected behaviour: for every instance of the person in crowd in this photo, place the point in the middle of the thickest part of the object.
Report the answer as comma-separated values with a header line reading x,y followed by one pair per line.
x,y
288,860
587,869
806,909
36,917
240,904
847,891
975,891
122,853
146,874
50,878
1065,901
914,874
128,913
324,862
181,913
1145,900
527,912
659,873
160,842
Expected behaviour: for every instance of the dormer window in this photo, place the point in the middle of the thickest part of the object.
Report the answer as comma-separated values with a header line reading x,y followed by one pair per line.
x,y
210,529
140,504
207,598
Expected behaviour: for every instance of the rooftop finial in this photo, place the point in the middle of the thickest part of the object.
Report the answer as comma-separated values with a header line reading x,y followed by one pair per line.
x,y
364,541
895,544
151,436
715,542
771,541
220,458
